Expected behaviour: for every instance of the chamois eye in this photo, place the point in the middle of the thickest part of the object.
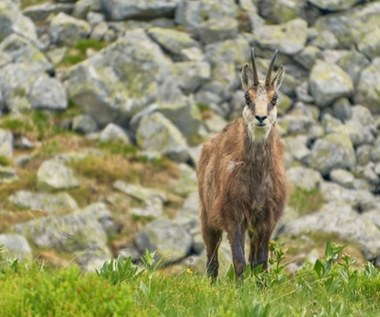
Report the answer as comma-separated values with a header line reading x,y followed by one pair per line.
x,y
247,99
274,99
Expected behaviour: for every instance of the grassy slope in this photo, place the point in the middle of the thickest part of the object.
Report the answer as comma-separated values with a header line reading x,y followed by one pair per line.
x,y
332,287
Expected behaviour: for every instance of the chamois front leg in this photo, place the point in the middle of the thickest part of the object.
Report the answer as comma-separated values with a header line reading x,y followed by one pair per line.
x,y
236,237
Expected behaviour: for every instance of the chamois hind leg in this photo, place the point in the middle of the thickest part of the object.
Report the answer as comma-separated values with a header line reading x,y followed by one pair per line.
x,y
253,249
212,240
236,237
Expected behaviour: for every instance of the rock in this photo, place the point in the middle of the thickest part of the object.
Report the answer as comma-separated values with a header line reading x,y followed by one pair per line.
x,y
48,93
122,79
361,200
333,151
156,133
361,128
215,123
173,41
215,30
121,10
191,14
153,199
375,153
113,132
191,75
343,178
42,201
65,29
373,216
40,12
142,194
304,178
281,10
342,109
19,49
13,21
170,240
53,174
84,124
308,56
129,252
367,91
83,7
329,82
82,231
187,183
335,5
7,175
184,114
15,83
296,146
100,31
93,259
363,154
188,216
342,222
15,246
353,62
369,44
6,143
369,174
289,38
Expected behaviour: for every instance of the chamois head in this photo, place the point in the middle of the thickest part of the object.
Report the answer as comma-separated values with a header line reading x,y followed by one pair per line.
x,y
260,112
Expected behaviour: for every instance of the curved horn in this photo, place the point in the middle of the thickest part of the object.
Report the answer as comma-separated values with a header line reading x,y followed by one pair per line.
x,y
269,74
254,70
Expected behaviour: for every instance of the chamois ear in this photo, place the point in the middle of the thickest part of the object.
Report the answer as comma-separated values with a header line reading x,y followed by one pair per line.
x,y
277,81
246,77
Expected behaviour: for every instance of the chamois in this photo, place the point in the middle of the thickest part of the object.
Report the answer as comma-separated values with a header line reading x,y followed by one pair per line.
x,y
241,176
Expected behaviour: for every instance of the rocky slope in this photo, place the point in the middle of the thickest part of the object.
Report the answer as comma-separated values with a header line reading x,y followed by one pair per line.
x,y
104,105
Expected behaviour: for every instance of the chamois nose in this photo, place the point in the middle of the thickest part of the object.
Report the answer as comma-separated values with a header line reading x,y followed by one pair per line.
x,y
260,118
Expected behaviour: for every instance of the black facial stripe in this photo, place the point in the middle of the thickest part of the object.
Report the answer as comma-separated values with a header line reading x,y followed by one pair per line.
x,y
247,98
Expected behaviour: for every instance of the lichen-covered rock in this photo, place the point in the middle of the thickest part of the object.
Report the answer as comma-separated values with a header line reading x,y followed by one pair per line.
x,y
187,183
191,75
308,56
215,30
361,199
53,174
174,41
13,21
156,133
367,91
305,178
43,201
334,5
15,246
191,14
19,49
170,240
353,62
83,230
122,79
184,114
333,151
83,123
361,128
140,193
8,175
41,12
113,132
369,43
188,215
289,38
65,29
341,221
329,82
6,143
296,146
16,81
48,93
129,9
343,178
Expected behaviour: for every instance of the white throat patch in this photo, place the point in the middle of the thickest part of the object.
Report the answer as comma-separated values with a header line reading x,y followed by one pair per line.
x,y
256,133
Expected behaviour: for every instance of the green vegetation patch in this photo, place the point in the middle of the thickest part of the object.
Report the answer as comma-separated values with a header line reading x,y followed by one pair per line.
x,y
305,201
330,287
78,52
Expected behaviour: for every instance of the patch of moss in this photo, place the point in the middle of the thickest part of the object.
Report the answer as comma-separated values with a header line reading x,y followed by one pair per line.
x,y
305,201
27,3
5,161
77,53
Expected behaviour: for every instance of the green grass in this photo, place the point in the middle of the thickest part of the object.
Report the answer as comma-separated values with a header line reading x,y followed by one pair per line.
x,y
331,287
78,52
305,201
